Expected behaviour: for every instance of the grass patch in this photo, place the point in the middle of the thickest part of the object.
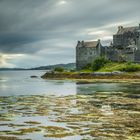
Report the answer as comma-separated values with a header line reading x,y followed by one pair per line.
x,y
125,67
59,69
86,70
112,67
131,68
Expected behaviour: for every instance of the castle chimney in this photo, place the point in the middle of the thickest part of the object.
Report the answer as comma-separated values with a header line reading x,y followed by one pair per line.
x,y
120,27
79,42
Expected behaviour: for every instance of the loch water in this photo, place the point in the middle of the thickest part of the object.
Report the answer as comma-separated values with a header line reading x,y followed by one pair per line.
x,y
38,109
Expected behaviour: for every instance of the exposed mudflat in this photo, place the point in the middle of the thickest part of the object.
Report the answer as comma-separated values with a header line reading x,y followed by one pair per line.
x,y
103,115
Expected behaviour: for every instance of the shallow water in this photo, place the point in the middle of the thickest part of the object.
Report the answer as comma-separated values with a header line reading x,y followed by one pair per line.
x,y
40,109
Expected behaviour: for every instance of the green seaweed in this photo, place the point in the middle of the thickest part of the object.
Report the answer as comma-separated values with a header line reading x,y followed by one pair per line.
x,y
93,119
32,122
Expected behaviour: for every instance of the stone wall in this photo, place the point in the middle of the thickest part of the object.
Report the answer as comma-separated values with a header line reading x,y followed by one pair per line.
x,y
137,56
117,55
112,54
138,43
130,57
84,56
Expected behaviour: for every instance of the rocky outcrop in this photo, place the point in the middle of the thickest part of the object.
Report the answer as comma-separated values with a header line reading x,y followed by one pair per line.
x,y
94,75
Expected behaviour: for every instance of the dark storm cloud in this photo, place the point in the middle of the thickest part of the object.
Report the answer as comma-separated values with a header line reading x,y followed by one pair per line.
x,y
18,42
34,26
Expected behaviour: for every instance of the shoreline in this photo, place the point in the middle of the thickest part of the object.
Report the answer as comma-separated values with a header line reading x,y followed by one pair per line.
x,y
92,78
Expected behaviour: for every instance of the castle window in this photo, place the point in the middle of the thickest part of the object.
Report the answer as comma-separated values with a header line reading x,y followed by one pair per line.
x,y
90,53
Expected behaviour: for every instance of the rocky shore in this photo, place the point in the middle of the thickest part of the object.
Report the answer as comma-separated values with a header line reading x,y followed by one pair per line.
x,y
92,76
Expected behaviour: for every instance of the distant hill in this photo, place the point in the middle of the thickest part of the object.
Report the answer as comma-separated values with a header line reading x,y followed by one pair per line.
x,y
68,66
50,67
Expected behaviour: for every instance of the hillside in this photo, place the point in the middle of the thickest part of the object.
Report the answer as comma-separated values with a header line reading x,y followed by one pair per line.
x,y
50,67
68,66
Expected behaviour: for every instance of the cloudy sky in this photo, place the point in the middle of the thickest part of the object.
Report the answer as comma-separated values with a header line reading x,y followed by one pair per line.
x,y
42,32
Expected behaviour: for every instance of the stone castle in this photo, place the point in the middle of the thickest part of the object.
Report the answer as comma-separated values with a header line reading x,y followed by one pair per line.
x,y
125,47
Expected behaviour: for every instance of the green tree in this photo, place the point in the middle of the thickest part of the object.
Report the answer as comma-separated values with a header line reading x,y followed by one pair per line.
x,y
99,62
59,69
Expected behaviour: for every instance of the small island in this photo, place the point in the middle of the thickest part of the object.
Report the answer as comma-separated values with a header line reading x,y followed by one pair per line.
x,y
109,72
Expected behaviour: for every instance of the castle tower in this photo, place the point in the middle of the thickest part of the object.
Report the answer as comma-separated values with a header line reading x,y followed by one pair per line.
x,y
138,38
87,52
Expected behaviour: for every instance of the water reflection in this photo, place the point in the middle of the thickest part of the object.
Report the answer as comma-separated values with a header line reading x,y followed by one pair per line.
x,y
20,83
107,87
100,87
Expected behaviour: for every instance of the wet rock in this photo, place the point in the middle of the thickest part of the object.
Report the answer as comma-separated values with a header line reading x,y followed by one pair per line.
x,y
34,76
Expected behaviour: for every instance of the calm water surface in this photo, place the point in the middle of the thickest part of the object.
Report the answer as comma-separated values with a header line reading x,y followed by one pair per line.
x,y
33,108
19,83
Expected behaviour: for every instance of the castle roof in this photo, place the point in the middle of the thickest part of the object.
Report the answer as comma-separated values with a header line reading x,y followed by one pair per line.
x,y
91,44
88,44
122,30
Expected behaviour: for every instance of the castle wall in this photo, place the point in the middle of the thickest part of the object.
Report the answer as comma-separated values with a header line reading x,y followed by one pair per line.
x,y
117,40
112,54
84,56
137,56
117,55
138,43
129,57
